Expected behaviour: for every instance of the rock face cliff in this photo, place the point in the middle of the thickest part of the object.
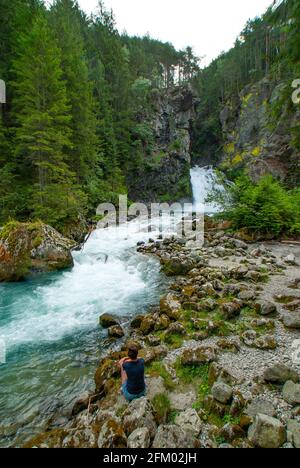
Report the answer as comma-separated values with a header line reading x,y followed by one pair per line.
x,y
253,139
164,173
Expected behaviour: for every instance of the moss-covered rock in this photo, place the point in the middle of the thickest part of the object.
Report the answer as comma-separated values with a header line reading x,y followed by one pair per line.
x,y
107,369
29,248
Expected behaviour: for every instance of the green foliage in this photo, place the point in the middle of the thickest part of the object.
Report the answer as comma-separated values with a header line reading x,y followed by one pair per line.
x,y
190,374
265,207
162,406
174,340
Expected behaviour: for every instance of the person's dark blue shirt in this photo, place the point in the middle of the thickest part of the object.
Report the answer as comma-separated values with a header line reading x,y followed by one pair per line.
x,y
135,371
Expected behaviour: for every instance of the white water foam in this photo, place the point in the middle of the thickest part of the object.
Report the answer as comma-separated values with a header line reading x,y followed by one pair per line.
x,y
204,180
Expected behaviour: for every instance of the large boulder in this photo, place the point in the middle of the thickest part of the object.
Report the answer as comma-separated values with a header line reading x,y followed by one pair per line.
x,y
108,320
198,355
222,392
116,332
153,353
107,369
260,406
112,435
147,324
189,421
293,428
139,414
176,267
155,386
172,437
292,320
170,306
291,393
30,248
267,432
230,310
280,374
265,308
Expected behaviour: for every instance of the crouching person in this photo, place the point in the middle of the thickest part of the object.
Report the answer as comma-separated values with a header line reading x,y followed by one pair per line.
x,y
133,375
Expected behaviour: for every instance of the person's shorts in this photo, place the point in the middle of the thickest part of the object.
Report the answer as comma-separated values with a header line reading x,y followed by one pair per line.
x,y
129,396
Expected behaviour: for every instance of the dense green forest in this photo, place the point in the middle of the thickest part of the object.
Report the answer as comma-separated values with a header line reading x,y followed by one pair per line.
x,y
69,132
72,128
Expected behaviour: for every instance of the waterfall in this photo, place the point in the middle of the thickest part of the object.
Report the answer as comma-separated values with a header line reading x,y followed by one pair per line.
x,y
204,180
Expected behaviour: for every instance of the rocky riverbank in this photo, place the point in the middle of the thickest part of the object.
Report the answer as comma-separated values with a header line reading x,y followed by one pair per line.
x,y
220,350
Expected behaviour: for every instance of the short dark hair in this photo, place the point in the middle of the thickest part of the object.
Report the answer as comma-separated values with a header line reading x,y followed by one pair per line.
x,y
133,352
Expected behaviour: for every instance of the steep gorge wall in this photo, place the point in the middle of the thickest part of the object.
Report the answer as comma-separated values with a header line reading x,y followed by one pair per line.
x,y
164,174
253,139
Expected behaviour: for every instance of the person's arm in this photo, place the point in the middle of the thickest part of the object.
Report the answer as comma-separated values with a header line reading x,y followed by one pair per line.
x,y
121,362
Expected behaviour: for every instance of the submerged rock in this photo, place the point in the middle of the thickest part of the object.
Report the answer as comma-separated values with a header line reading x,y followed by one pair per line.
x,y
30,248
107,321
116,331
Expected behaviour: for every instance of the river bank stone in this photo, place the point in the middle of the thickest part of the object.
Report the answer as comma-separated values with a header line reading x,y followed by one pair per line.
x,y
222,392
291,393
265,308
172,437
189,421
260,406
140,438
267,432
170,306
293,428
112,435
108,320
198,355
139,414
32,248
116,331
280,374
292,320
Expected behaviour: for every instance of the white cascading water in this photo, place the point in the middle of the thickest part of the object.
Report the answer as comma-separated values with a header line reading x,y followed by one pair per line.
x,y
204,180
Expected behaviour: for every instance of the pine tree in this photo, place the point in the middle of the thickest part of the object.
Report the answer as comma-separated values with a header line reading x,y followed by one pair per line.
x,y
64,17
42,134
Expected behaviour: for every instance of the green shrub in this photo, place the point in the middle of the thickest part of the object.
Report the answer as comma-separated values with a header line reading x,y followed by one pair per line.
x,y
265,207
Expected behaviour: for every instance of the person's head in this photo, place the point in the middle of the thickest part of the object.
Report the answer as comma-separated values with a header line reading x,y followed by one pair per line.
x,y
133,352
